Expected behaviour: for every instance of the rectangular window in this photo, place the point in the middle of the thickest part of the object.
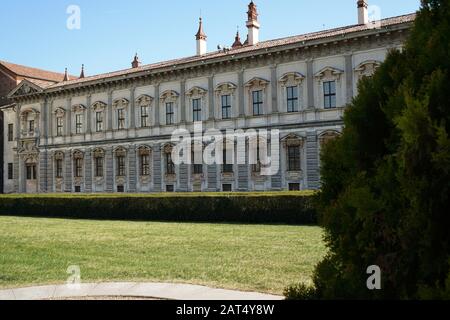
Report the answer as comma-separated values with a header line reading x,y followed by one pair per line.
x,y
294,158
294,186
226,106
77,189
169,113
227,188
31,126
99,121
198,168
31,172
10,171
99,167
197,109
120,189
59,168
170,166
10,132
121,119
121,166
257,102
170,188
145,165
292,99
329,94
144,116
78,168
59,126
79,124
226,167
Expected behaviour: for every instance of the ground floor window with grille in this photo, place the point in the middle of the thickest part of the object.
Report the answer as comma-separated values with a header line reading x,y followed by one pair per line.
x,y
10,171
120,166
31,172
294,186
145,165
78,168
99,167
120,189
170,188
170,166
227,188
294,158
77,189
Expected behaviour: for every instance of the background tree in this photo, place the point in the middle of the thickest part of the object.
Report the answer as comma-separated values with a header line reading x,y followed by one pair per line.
x,y
384,199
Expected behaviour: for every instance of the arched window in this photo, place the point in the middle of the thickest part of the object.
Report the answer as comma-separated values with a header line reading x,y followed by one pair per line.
x,y
99,159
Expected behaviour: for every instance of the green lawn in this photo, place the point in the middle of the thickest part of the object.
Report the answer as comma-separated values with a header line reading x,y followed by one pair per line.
x,y
248,257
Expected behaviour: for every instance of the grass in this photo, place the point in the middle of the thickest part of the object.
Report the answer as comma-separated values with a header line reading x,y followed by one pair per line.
x,y
163,194
264,258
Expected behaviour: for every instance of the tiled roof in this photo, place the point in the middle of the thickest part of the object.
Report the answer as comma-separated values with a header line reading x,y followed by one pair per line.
x,y
262,45
33,73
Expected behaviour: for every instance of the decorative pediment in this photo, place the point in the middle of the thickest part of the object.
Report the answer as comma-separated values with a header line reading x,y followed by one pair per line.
x,y
29,114
167,148
226,87
257,83
121,103
120,152
59,155
99,106
24,88
144,151
367,68
196,92
291,79
99,153
77,154
169,95
329,73
60,112
78,108
292,140
144,101
328,136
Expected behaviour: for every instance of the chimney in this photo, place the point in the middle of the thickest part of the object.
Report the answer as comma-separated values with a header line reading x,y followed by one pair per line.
x,y
253,24
82,72
66,76
363,13
136,63
201,39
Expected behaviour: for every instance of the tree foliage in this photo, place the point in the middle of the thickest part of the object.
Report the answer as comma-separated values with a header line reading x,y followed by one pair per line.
x,y
385,193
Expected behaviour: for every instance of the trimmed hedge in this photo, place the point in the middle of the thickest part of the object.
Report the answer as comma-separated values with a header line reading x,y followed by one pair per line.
x,y
295,208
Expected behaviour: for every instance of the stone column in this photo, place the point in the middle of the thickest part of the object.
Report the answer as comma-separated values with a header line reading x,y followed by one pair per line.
x,y
16,171
243,169
50,119
88,114
109,170
88,170
349,77
68,172
274,88
157,172
132,108
241,94
312,160
310,83
50,186
183,101
211,97
110,111
156,105
69,117
132,168
43,172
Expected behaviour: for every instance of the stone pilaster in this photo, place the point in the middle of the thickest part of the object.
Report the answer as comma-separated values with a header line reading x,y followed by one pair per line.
x,y
312,160
157,172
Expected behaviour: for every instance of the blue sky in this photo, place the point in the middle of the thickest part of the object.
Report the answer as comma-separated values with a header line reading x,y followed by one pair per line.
x,y
35,33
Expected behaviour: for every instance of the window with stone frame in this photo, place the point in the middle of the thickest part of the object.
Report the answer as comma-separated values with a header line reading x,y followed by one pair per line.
x,y
10,171
290,84
120,162
144,117
120,106
144,161
257,91
10,132
78,164
143,104
226,106
120,119
99,121
99,160
99,109
225,98
59,168
329,94
294,159
78,123
329,81
197,110
227,166
170,166
169,113
59,126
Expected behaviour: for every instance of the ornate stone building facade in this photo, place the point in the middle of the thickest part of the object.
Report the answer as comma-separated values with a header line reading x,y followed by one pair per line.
x,y
111,132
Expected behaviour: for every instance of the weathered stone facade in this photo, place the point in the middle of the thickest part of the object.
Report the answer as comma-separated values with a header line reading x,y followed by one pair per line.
x,y
111,133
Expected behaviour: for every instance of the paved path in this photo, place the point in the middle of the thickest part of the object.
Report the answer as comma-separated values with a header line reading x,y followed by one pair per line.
x,y
129,289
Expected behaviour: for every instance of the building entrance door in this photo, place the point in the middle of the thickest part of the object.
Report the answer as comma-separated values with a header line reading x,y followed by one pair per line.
x,y
31,178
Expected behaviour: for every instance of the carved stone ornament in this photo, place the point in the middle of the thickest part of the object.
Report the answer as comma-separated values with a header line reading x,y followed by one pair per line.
x,y
292,140
144,101
99,106
291,79
120,103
